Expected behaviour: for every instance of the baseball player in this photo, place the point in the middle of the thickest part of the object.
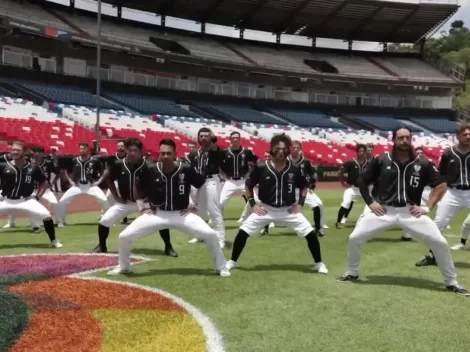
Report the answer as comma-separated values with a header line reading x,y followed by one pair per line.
x,y
351,168
454,166
84,170
166,185
236,162
208,160
309,172
399,178
18,177
277,180
124,173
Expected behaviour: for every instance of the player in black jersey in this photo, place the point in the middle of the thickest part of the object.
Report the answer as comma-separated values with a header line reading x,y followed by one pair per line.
x,y
82,176
208,160
454,167
18,178
277,180
7,156
166,186
399,178
309,172
349,175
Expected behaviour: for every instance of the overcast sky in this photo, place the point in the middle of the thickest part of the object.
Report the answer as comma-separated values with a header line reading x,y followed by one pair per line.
x,y
90,5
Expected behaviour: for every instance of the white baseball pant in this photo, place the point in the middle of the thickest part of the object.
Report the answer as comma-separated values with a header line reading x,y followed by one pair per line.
x,y
312,201
189,223
208,202
192,196
423,229
231,188
117,212
75,191
279,216
30,206
350,194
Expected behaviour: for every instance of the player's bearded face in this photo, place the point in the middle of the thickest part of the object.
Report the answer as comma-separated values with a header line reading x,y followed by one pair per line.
x,y
280,151
204,139
403,142
134,154
167,154
83,150
121,148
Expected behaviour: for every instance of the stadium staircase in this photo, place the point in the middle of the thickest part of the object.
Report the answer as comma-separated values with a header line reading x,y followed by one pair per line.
x,y
18,90
386,69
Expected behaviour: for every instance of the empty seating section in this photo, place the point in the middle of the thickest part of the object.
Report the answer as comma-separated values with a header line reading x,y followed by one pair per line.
x,y
65,94
413,69
31,13
244,113
354,66
380,122
35,125
313,118
150,105
436,125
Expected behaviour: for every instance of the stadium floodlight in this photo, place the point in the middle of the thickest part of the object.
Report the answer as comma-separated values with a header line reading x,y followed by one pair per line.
x,y
98,75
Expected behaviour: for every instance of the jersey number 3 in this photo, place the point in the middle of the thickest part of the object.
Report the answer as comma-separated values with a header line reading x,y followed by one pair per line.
x,y
414,181
289,188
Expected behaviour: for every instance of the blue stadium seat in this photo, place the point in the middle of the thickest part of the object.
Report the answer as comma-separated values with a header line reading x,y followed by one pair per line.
x,y
310,118
383,123
437,125
66,94
244,113
151,105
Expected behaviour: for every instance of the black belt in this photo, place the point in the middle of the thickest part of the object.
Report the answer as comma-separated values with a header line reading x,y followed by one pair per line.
x,y
211,175
83,182
236,178
396,205
461,188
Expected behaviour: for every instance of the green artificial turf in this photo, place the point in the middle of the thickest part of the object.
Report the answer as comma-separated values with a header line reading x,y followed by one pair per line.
x,y
273,302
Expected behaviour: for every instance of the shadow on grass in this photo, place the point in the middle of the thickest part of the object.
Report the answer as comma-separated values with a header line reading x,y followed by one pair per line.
x,y
174,271
387,280
280,267
148,251
389,240
462,265
25,245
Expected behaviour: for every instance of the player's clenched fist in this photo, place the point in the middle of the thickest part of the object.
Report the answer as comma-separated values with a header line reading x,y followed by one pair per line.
x,y
295,209
417,211
259,210
377,209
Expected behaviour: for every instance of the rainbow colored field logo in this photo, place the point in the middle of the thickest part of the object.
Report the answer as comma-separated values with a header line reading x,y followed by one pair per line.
x,y
46,305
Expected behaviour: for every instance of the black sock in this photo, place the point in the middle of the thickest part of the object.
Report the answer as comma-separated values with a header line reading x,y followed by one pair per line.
x,y
245,198
341,213
239,244
165,235
49,227
349,210
463,241
317,217
266,228
314,246
125,220
103,233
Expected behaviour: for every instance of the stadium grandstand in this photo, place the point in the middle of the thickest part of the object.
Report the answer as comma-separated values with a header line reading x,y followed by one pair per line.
x,y
158,81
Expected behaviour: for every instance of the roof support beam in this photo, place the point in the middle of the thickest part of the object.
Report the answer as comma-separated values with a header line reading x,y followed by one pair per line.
x,y
287,21
365,21
389,35
165,7
310,31
251,13
207,16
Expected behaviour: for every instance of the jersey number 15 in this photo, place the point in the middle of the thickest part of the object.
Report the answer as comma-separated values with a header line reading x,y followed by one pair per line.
x,y
414,181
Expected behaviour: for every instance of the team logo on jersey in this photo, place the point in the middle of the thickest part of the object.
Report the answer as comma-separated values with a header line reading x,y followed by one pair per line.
x,y
290,177
181,178
417,168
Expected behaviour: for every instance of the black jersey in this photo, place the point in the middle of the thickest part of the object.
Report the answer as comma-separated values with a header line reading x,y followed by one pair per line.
x,y
307,170
207,162
455,167
18,182
126,174
276,189
353,168
235,163
110,160
397,184
86,171
169,191
4,158
48,168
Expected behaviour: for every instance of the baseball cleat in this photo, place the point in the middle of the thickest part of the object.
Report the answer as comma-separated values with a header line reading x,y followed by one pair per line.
x,y
427,260
271,225
325,226
224,272
346,277
320,268
458,289
56,244
344,221
36,229
320,233
9,226
338,225
194,240
118,271
99,249
60,225
230,265
170,252
458,247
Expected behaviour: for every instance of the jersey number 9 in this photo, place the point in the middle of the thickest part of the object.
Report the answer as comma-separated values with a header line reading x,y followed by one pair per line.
x,y
181,189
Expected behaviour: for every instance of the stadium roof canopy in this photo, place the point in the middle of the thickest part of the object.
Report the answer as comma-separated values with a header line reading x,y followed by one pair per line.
x,y
365,20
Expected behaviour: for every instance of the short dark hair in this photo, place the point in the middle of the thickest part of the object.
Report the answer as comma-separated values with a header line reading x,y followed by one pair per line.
x,y
361,146
214,139
37,149
20,143
192,142
370,145
169,142
419,148
9,143
234,133
278,138
133,142
394,134
83,144
203,130
122,141
297,142
462,128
